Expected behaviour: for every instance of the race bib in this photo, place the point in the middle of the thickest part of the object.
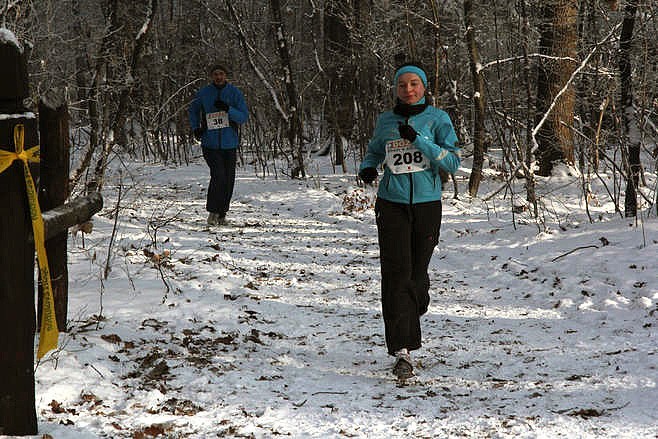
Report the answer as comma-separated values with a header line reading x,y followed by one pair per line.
x,y
403,158
217,120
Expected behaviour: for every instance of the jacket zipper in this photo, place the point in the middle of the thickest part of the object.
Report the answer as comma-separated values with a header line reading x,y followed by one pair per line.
x,y
411,179
219,131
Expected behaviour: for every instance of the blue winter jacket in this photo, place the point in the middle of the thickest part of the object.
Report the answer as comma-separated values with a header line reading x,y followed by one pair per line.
x,y
204,103
436,141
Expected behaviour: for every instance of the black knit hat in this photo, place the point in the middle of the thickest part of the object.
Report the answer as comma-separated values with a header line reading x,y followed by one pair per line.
x,y
218,66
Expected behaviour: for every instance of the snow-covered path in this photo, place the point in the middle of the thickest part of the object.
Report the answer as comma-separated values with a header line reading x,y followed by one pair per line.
x,y
271,326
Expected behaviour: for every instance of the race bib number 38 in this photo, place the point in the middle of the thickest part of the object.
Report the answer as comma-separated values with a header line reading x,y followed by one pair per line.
x,y
217,120
402,157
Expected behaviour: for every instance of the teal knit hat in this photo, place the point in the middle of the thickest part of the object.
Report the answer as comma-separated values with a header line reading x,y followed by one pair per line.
x,y
411,68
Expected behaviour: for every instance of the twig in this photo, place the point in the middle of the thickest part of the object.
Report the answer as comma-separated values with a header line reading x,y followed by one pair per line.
x,y
299,404
164,280
574,250
97,371
114,231
328,393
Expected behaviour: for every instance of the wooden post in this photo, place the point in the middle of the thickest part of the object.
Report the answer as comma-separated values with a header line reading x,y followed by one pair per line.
x,y
53,192
17,316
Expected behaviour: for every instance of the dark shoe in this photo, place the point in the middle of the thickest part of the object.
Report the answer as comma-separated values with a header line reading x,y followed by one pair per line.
x,y
403,369
213,219
221,219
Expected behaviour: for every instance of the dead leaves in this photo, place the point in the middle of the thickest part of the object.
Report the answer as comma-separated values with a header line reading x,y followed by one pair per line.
x,y
159,371
56,407
180,407
163,258
251,285
87,401
175,406
154,323
111,338
357,201
586,413
151,431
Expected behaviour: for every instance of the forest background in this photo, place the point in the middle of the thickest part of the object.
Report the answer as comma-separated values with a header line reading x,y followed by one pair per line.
x,y
528,84
535,89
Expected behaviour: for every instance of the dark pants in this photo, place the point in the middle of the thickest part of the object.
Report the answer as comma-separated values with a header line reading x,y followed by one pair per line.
x,y
407,237
222,178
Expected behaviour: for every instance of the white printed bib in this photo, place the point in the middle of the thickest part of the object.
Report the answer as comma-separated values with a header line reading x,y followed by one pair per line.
x,y
403,158
217,120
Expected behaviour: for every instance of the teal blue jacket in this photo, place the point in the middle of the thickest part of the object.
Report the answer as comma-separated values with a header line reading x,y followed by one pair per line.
x,y
436,140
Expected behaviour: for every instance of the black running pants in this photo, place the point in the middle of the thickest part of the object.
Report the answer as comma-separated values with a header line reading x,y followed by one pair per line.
x,y
408,234
221,163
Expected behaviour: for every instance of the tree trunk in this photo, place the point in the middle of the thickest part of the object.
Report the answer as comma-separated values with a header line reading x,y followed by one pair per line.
x,y
526,159
365,89
88,93
590,104
558,41
294,123
434,88
117,123
479,144
631,130
53,192
17,317
341,76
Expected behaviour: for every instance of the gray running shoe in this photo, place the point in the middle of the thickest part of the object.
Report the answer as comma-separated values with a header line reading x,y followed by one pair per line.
x,y
213,219
403,368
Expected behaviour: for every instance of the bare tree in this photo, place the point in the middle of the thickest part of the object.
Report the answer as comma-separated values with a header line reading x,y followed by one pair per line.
x,y
294,128
129,95
631,135
526,154
340,75
123,71
479,101
558,45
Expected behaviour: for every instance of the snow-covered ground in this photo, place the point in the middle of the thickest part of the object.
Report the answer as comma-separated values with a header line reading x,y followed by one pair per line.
x,y
271,326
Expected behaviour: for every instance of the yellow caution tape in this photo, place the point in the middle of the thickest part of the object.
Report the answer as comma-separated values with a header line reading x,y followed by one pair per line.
x,y
49,334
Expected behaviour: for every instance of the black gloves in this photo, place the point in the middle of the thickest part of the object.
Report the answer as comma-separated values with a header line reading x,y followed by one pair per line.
x,y
407,132
198,133
368,175
221,105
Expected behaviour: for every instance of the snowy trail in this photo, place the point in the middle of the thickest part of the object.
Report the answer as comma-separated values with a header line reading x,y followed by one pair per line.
x,y
271,326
